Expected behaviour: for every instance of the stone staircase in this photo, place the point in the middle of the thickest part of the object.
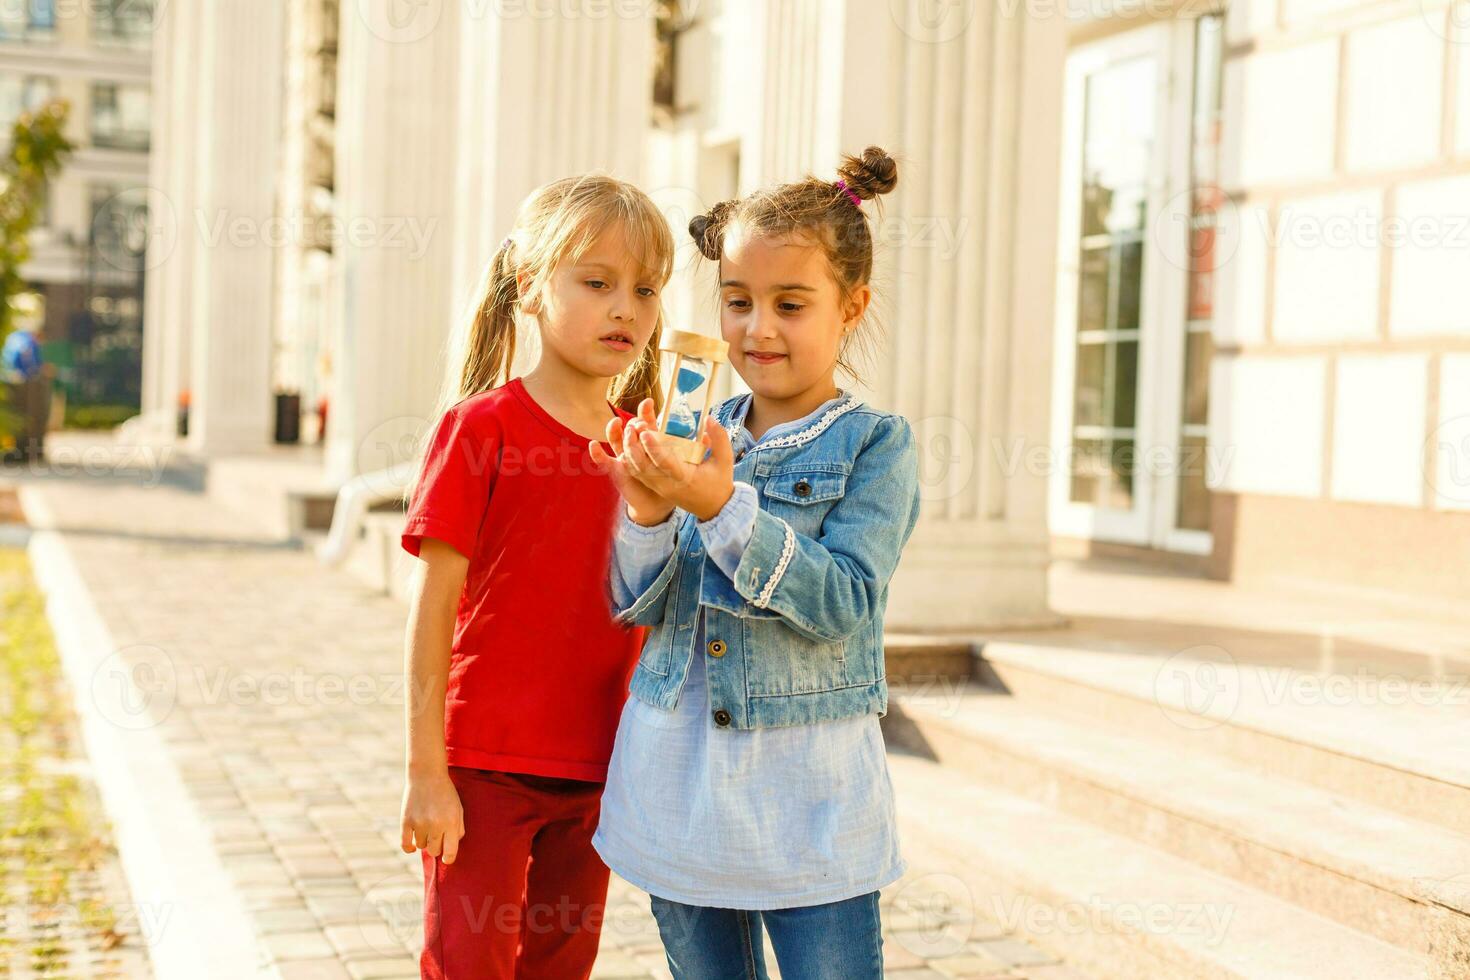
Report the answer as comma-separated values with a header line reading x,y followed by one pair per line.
x,y
1119,819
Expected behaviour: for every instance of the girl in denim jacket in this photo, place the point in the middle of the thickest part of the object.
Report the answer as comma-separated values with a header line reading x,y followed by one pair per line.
x,y
748,787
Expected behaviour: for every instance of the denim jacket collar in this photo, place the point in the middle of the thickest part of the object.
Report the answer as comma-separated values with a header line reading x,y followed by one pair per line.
x,y
801,430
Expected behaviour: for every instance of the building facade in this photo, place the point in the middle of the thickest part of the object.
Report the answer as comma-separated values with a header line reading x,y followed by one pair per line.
x,y
86,261
1100,298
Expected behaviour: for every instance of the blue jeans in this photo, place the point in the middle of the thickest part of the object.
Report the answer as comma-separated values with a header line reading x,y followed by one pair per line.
x,y
837,941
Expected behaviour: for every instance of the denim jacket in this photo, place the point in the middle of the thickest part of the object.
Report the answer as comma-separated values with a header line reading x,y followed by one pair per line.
x,y
797,635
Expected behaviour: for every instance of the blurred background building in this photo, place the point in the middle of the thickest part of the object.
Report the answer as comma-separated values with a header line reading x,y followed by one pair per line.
x,y
1142,284
87,263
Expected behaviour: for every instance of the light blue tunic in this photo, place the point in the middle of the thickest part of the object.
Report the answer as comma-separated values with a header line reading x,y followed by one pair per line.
x,y
764,818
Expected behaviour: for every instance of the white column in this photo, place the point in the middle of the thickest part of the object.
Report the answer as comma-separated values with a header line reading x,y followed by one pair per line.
x,y
446,119
543,97
230,229
396,140
965,291
171,185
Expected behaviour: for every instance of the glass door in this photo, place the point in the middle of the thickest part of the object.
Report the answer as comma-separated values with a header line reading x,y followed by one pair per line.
x,y
1120,415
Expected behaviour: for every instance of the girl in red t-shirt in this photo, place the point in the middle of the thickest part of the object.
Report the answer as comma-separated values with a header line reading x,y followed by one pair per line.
x,y
516,671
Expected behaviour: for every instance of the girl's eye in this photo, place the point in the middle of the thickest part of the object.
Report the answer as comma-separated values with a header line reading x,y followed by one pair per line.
x,y
596,283
646,291
792,307
737,304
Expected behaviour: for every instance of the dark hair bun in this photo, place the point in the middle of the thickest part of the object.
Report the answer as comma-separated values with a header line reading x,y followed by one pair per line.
x,y
707,230
871,174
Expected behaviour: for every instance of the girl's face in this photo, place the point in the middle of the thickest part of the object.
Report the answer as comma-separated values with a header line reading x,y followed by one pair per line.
x,y
782,314
598,312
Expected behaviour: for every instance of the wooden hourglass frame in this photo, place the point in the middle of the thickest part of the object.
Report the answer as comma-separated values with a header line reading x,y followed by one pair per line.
x,y
696,347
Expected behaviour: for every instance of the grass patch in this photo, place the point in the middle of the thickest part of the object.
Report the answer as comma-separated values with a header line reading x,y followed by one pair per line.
x,y
52,836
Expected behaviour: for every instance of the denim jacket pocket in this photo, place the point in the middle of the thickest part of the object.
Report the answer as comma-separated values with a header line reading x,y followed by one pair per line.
x,y
805,486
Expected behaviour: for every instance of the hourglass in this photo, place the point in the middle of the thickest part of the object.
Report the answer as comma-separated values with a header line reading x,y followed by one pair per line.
x,y
692,382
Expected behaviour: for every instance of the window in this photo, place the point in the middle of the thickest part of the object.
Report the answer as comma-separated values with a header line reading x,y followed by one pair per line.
x,y
23,93
120,115
124,23
1193,501
27,20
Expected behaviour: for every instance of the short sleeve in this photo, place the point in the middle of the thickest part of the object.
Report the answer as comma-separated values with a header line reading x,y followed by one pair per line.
x,y
454,485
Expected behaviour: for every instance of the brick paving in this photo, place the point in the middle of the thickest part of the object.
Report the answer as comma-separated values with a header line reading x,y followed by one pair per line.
x,y
276,683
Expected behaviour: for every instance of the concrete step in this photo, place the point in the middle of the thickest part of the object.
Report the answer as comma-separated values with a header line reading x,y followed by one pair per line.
x,y
918,660
1370,868
1394,743
377,559
283,490
1113,906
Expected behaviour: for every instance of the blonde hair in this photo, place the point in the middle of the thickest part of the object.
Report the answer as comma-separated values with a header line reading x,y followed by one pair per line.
x,y
558,222
824,212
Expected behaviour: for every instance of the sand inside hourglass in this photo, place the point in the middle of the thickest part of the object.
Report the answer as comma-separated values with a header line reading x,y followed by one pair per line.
x,y
690,379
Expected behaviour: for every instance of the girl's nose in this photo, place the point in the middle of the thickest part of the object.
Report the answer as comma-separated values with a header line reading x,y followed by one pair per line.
x,y
760,325
623,306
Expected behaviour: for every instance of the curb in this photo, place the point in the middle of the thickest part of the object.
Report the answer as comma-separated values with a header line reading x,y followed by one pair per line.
x,y
199,928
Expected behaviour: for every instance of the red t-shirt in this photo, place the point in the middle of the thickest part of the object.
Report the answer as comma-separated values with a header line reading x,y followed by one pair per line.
x,y
539,671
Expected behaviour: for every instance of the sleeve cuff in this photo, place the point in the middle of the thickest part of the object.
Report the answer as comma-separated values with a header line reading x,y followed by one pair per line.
x,y
730,529
639,535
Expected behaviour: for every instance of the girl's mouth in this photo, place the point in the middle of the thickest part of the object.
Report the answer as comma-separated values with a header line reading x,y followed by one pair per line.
x,y
764,358
618,344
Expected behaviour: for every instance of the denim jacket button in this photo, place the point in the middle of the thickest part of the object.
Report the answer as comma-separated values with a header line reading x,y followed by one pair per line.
x,y
716,648
803,488
722,717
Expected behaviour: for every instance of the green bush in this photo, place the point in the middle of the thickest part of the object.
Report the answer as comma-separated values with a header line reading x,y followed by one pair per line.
x,y
97,416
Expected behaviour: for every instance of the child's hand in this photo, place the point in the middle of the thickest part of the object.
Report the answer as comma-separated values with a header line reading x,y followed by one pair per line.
x,y
644,505
701,489
433,818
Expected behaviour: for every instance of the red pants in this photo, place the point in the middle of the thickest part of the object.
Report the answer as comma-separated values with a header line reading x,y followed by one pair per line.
x,y
526,894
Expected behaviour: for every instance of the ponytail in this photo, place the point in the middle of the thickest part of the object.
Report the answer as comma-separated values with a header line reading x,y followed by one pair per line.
x,y
490,348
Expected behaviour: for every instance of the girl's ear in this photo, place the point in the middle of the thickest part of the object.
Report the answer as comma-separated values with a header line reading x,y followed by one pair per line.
x,y
530,305
855,307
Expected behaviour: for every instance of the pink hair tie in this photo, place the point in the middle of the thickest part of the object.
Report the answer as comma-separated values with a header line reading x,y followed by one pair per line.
x,y
841,185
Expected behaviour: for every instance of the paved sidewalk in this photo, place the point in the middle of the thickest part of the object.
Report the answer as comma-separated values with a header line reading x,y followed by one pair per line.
x,y
275,686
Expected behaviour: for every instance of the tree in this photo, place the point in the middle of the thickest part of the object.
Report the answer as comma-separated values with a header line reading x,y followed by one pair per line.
x,y
38,148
